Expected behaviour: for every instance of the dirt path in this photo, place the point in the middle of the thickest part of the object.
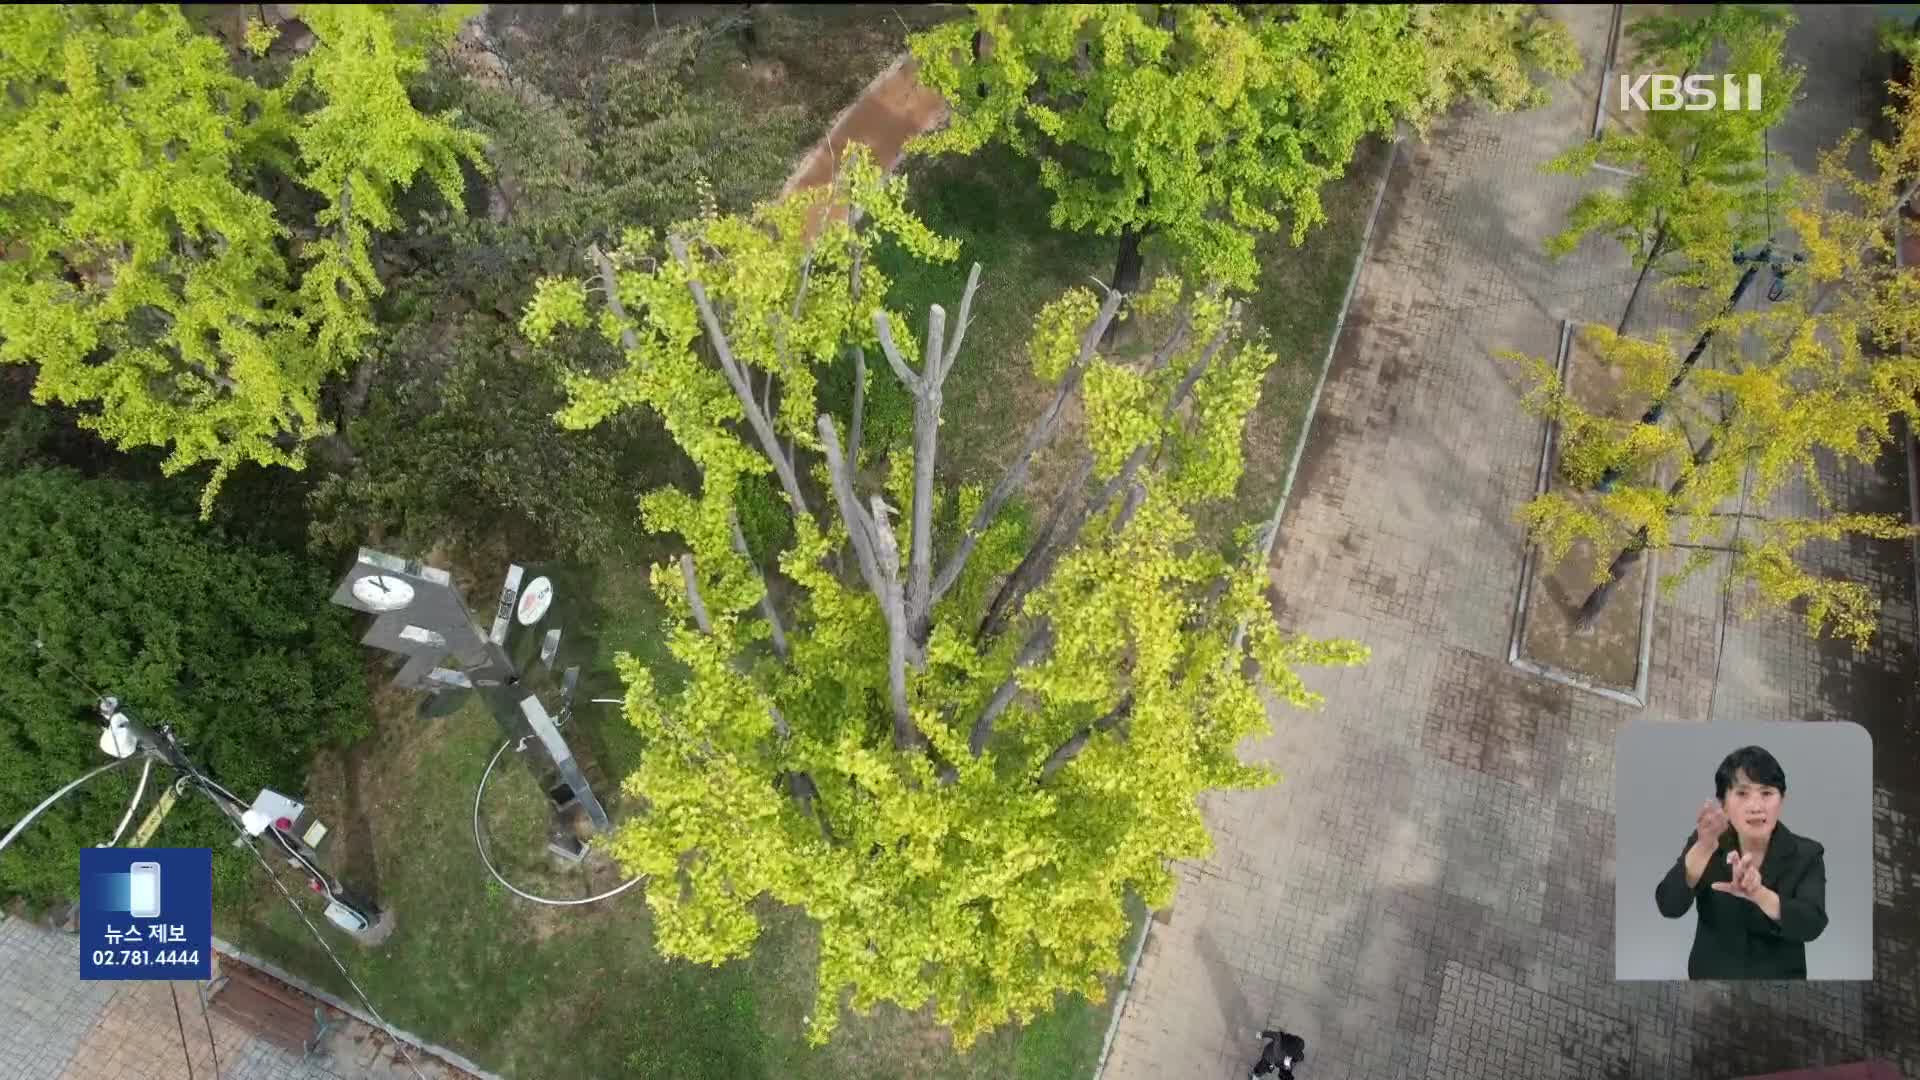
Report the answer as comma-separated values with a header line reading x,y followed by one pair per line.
x,y
891,110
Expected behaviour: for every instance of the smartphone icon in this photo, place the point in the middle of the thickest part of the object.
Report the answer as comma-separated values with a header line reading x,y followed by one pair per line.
x,y
144,895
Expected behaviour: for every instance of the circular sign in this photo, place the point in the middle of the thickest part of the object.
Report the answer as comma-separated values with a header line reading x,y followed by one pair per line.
x,y
535,599
383,592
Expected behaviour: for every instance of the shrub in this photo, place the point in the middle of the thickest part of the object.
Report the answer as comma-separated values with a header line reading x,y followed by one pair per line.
x,y
239,651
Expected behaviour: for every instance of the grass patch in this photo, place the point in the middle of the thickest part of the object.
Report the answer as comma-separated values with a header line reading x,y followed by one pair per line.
x,y
993,203
1299,297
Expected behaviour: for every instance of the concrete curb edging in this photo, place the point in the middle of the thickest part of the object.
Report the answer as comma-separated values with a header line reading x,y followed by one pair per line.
x,y
1637,697
450,1057
1606,69
1913,440
1273,535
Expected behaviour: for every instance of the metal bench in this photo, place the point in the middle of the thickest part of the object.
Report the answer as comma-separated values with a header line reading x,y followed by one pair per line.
x,y
272,1010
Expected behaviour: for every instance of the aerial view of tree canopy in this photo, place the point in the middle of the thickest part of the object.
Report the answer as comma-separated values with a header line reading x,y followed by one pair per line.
x,y
955,743
1206,124
186,251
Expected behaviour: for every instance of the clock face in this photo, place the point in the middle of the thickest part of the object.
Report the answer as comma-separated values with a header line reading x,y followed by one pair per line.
x,y
383,592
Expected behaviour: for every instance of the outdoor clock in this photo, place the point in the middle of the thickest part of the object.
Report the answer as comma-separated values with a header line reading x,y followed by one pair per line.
x,y
383,592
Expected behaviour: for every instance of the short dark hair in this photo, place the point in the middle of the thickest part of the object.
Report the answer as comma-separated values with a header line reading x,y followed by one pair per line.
x,y
1760,767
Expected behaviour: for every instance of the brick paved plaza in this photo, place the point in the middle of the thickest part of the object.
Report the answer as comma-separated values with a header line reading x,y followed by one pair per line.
x,y
55,1027
1429,890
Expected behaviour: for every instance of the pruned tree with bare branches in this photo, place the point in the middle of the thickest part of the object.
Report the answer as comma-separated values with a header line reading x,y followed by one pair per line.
x,y
959,748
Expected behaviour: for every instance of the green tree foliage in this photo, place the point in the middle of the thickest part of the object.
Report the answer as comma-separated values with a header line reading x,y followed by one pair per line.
x,y
456,435
1699,185
1204,124
458,442
959,770
239,651
1833,364
152,271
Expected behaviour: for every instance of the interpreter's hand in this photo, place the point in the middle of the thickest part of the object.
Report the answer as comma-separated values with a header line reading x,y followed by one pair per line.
x,y
1710,824
1746,877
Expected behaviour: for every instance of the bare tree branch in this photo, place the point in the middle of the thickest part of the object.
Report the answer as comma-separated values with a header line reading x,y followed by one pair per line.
x,y
1070,749
859,531
611,286
1136,494
699,606
965,321
926,439
884,327
1038,435
737,377
893,604
859,368
1040,557
859,403
766,592
799,783
800,294
1003,695
1070,493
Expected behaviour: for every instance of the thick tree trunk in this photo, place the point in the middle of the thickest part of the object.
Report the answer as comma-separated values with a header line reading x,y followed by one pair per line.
x,y
979,50
1596,601
1633,298
1126,271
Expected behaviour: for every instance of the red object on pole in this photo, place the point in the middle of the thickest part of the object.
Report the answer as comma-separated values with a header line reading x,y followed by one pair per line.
x,y
283,824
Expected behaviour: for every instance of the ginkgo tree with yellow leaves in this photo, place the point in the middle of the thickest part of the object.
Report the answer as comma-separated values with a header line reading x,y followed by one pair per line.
x,y
147,270
1697,184
958,772
1207,124
1826,371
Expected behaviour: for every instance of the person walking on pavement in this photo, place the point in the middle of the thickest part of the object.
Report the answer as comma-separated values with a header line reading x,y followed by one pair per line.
x,y
1282,1052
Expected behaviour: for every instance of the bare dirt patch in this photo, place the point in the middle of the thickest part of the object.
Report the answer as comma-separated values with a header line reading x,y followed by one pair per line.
x,y
1608,653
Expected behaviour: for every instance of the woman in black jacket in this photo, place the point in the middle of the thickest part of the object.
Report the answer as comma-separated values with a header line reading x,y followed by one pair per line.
x,y
1283,1051
1761,889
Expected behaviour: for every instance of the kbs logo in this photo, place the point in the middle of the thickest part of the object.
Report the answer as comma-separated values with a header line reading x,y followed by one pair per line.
x,y
1695,93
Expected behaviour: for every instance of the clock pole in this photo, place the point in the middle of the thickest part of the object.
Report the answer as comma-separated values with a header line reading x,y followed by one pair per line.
x,y
419,614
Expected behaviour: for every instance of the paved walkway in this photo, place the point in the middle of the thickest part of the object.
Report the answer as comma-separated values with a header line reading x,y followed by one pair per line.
x,y
55,1027
1429,890
890,111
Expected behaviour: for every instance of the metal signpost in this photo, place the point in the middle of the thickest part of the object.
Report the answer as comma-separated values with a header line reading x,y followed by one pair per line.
x,y
420,615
